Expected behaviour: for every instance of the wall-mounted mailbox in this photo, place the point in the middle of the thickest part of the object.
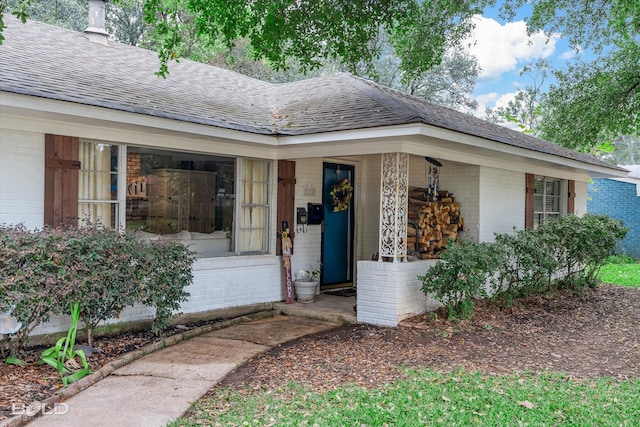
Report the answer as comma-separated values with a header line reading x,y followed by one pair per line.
x,y
316,213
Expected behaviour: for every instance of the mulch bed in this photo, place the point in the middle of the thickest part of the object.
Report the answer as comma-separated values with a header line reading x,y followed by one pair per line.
x,y
590,335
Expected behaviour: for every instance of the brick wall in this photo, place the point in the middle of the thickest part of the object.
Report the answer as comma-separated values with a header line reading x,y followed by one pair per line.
x,y
390,292
307,245
621,201
22,178
502,195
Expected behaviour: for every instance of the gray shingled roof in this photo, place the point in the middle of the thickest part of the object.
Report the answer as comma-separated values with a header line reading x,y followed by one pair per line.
x,y
41,60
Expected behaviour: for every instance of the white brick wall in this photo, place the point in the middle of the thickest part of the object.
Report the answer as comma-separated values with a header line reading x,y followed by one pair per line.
x,y
580,202
368,214
22,178
464,182
233,282
502,197
307,245
390,292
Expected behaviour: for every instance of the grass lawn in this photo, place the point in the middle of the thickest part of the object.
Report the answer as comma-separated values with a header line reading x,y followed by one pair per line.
x,y
622,271
429,398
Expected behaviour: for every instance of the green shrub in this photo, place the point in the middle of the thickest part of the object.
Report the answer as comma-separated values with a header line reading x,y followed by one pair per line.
x,y
36,276
40,271
525,264
563,253
459,277
164,269
108,270
583,245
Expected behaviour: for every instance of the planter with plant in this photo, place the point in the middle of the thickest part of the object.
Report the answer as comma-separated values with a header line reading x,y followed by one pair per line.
x,y
307,284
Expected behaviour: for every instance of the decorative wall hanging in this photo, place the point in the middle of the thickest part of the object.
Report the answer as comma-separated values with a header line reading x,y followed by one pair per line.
x,y
433,177
341,193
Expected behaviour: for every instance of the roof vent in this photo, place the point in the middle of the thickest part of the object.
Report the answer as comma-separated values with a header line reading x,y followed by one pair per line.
x,y
96,31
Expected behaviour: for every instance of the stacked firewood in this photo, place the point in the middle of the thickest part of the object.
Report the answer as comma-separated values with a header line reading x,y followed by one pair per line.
x,y
437,221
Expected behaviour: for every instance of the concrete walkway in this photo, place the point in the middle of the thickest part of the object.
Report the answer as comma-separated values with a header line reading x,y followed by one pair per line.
x,y
160,387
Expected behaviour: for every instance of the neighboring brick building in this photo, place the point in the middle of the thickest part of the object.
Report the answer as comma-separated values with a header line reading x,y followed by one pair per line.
x,y
620,199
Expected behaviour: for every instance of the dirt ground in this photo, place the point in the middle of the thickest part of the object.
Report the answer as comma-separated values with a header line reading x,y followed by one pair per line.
x,y
590,335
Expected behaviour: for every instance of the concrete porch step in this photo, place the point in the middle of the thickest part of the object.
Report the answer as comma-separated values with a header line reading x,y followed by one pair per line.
x,y
330,308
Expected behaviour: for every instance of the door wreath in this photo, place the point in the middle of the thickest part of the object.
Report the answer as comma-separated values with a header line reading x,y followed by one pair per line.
x,y
341,193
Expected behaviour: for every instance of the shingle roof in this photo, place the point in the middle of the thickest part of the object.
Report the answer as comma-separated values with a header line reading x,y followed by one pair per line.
x,y
42,60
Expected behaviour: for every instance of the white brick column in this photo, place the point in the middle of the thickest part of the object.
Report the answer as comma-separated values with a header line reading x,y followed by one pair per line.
x,y
394,188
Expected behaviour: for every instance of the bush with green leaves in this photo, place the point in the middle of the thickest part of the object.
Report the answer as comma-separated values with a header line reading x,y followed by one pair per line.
x,y
164,267
563,253
583,245
36,277
40,271
460,276
526,263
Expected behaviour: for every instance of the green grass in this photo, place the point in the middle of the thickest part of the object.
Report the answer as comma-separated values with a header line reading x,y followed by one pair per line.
x,y
430,398
621,270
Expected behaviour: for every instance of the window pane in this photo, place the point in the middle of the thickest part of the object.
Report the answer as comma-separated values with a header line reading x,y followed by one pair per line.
x,y
180,196
552,204
255,193
547,199
538,203
98,183
253,235
539,185
254,218
553,188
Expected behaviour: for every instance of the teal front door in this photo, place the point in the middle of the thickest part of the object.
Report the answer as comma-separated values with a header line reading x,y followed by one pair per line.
x,y
337,235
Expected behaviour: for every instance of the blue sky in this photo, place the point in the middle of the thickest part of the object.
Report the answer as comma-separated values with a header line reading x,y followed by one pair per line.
x,y
503,49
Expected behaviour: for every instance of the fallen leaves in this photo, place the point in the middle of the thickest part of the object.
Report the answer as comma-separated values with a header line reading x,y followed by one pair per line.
x,y
526,404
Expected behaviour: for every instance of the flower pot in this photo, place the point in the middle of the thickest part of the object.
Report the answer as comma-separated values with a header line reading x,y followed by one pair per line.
x,y
305,291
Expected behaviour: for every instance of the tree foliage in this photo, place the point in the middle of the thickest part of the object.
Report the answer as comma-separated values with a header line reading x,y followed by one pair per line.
x,y
525,110
592,103
593,24
310,30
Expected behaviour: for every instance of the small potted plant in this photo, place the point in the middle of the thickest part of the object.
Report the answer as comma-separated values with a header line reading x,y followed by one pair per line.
x,y
307,284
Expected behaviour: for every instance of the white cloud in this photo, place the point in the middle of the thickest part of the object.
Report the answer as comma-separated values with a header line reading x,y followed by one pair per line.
x,y
493,100
503,100
569,54
499,48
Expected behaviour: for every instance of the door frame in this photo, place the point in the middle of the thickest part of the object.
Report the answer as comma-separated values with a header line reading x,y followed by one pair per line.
x,y
351,225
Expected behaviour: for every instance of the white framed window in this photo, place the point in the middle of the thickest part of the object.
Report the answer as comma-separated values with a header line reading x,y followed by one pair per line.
x,y
175,195
99,183
548,200
254,208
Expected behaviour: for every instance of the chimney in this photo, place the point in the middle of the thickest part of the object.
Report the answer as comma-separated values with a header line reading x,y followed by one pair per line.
x,y
96,31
